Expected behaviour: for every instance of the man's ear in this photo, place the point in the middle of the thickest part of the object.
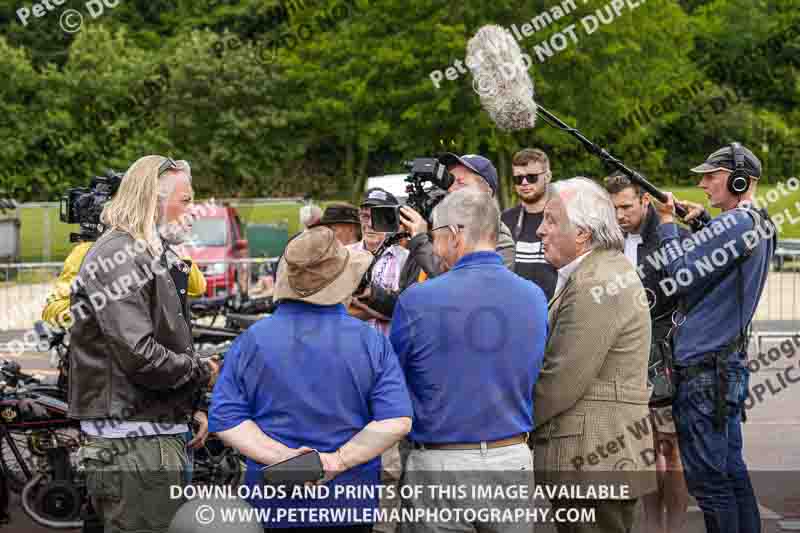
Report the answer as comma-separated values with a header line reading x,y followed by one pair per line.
x,y
646,199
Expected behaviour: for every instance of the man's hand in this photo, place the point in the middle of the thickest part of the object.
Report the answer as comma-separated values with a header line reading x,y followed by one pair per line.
x,y
201,434
412,221
332,465
693,209
213,364
665,210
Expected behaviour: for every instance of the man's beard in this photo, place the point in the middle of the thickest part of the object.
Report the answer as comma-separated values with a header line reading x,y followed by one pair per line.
x,y
532,198
174,233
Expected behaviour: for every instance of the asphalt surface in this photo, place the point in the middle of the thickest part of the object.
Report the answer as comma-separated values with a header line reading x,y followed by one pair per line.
x,y
771,443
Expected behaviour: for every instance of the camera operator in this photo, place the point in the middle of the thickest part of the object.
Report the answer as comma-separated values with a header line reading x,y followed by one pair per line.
x,y
710,339
468,171
665,509
134,378
386,272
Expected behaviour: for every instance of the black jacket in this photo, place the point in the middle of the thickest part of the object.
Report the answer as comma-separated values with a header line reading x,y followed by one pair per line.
x,y
131,355
661,304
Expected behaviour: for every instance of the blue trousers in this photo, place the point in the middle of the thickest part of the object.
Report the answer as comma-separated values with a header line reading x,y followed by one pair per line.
x,y
714,467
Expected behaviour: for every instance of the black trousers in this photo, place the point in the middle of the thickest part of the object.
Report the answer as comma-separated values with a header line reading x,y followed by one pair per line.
x,y
4,517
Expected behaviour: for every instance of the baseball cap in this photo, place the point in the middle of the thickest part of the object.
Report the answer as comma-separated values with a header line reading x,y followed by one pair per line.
x,y
378,196
476,163
723,159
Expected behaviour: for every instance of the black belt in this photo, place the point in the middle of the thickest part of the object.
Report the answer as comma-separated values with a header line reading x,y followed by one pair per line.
x,y
717,362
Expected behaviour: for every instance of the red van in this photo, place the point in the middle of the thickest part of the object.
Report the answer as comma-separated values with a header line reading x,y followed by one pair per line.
x,y
217,238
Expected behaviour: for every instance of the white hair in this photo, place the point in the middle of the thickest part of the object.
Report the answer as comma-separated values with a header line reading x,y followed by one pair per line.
x,y
589,208
475,210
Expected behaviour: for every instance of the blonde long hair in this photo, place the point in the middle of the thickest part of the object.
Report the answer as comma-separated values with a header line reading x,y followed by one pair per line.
x,y
134,209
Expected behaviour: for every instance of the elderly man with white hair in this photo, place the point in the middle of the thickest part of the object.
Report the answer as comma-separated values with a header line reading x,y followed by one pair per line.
x,y
593,383
470,342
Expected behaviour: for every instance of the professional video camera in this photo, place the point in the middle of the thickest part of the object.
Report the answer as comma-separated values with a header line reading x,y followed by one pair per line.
x,y
83,206
423,200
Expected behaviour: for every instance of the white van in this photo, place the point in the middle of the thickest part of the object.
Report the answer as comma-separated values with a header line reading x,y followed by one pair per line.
x,y
393,183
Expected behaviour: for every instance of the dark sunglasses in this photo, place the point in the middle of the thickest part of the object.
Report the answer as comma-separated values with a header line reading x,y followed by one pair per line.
x,y
532,178
168,164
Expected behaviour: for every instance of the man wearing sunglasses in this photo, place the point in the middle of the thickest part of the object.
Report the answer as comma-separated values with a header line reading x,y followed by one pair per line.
x,y
531,168
135,381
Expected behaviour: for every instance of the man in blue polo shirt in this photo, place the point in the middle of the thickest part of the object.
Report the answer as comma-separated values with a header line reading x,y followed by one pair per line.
x,y
471,343
719,275
311,376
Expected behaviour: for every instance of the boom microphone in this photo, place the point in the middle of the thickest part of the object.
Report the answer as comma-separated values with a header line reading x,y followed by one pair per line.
x,y
501,78
506,92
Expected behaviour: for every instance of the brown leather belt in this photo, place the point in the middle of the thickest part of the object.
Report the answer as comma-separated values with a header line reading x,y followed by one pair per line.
x,y
522,438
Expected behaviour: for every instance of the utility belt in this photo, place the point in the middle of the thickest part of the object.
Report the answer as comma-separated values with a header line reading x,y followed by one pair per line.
x,y
718,363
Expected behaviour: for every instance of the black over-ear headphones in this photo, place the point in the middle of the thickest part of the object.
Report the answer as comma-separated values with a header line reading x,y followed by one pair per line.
x,y
739,180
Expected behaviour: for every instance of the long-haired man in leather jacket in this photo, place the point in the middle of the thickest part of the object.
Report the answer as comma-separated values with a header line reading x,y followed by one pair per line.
x,y
135,381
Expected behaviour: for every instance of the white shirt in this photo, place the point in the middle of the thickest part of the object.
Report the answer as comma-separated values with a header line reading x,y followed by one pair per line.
x,y
566,271
632,242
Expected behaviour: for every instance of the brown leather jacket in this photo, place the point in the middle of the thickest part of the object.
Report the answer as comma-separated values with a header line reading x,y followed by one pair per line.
x,y
131,354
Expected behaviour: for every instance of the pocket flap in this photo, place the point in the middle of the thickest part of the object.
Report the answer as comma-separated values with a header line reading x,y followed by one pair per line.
x,y
562,426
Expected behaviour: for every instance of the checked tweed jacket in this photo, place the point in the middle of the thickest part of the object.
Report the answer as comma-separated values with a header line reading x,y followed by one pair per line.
x,y
593,382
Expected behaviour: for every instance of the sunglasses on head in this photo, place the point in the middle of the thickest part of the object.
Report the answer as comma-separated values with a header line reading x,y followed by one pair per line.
x,y
531,178
168,164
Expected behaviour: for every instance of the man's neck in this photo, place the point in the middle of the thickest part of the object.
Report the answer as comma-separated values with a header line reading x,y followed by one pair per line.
x,y
534,207
734,202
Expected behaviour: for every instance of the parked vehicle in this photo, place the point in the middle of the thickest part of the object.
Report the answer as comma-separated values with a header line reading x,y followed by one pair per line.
x,y
218,238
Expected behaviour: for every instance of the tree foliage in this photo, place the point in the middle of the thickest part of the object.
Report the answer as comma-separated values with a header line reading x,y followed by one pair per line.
x,y
312,96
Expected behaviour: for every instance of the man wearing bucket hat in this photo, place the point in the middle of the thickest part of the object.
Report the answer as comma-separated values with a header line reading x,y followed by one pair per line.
x,y
311,376
710,336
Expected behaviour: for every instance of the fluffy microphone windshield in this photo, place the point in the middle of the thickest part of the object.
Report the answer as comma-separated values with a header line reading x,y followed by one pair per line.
x,y
501,79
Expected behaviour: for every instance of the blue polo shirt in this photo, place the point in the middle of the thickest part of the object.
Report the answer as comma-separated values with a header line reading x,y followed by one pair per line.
x,y
310,376
695,263
471,343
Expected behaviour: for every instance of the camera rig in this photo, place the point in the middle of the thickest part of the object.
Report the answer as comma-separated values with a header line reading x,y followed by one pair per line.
x,y
423,170
83,205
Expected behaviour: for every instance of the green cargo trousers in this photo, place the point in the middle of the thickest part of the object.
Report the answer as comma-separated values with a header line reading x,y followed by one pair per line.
x,y
129,481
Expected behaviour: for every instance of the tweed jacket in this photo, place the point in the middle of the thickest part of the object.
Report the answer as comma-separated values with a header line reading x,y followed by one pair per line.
x,y
591,396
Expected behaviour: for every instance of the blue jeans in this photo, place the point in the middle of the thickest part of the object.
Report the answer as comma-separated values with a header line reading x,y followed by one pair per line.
x,y
715,472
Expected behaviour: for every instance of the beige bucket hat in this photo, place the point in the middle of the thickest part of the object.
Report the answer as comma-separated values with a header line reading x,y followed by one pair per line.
x,y
317,269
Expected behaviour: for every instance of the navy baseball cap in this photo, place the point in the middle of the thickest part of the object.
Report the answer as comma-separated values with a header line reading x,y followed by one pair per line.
x,y
723,159
476,163
378,196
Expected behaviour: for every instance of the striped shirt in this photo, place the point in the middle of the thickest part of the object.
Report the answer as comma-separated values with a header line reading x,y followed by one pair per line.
x,y
386,274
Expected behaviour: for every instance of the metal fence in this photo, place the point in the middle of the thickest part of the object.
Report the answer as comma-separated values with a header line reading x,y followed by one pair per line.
x,y
24,288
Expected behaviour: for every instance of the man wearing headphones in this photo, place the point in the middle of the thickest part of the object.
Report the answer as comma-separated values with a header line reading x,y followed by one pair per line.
x,y
718,275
